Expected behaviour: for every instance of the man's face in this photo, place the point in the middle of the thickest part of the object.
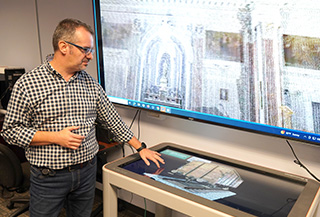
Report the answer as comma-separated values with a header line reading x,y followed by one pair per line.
x,y
78,59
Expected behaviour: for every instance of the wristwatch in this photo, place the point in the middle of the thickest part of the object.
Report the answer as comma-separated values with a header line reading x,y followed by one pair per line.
x,y
143,146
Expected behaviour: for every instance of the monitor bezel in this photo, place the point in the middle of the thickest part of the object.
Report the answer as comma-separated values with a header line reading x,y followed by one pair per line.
x,y
302,205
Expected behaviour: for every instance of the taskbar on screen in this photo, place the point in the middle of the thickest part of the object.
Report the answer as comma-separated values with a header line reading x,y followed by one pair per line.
x,y
234,123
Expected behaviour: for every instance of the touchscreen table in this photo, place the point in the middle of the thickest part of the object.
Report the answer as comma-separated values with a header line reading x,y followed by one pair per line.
x,y
232,187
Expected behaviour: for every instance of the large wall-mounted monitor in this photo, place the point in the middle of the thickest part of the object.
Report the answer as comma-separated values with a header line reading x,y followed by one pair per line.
x,y
230,186
250,65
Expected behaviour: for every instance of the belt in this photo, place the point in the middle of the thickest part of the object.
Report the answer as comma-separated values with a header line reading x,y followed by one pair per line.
x,y
47,171
78,166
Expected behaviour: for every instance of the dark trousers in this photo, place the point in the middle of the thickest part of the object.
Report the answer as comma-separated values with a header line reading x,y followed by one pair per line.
x,y
50,190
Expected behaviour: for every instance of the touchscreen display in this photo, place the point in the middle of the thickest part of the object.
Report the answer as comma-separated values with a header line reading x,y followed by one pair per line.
x,y
250,191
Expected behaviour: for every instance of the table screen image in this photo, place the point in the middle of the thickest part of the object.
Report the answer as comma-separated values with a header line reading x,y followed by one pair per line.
x,y
234,186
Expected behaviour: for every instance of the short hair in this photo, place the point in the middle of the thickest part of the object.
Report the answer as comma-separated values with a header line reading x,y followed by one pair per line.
x,y
66,29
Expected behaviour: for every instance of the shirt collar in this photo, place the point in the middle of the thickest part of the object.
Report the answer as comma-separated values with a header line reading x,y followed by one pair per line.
x,y
47,61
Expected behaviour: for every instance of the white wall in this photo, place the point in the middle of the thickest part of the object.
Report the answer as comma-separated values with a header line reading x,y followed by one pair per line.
x,y
27,26
51,12
18,34
20,46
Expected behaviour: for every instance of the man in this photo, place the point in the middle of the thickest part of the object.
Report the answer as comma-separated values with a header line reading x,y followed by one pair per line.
x,y
52,114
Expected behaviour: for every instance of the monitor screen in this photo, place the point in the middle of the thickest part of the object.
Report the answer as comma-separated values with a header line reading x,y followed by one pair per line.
x,y
246,65
251,189
11,76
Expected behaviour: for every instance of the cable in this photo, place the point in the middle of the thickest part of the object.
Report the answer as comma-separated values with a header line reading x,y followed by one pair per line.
x,y
4,93
297,161
145,207
138,113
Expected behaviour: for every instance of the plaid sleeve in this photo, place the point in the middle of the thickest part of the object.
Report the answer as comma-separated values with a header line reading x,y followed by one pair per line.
x,y
16,128
109,115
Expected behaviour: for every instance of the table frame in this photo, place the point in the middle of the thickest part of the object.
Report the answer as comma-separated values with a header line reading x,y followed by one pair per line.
x,y
115,178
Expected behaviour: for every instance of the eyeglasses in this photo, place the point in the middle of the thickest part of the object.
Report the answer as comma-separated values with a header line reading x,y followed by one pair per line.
x,y
86,50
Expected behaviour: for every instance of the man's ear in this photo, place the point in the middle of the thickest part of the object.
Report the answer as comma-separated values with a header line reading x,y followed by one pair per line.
x,y
63,47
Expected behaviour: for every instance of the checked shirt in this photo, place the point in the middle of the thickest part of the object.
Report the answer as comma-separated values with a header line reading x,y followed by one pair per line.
x,y
42,100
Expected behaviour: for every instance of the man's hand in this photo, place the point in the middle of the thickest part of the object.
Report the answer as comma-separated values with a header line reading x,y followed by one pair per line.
x,y
147,154
68,139
65,138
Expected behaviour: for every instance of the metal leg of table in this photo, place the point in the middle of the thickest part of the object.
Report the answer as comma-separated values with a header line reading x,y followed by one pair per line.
x,y
110,201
